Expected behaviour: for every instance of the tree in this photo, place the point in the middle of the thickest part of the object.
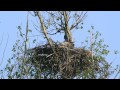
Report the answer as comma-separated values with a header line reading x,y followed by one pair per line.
x,y
3,53
59,60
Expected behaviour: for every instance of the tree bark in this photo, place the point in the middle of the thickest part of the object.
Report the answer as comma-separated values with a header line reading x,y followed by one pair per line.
x,y
68,36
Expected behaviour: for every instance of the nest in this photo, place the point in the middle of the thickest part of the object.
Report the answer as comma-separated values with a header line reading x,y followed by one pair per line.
x,y
65,61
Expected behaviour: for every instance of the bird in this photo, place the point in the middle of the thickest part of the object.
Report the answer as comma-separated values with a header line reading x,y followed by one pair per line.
x,y
66,45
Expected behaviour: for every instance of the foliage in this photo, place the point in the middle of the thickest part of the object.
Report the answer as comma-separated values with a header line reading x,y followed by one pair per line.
x,y
54,61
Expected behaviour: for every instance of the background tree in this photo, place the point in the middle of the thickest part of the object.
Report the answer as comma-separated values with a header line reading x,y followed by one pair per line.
x,y
50,60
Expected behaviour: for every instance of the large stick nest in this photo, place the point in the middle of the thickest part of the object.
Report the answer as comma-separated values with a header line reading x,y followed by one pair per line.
x,y
66,61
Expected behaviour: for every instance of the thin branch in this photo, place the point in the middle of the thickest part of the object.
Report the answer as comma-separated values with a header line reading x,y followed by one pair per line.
x,y
78,21
1,40
35,26
31,13
44,30
91,43
117,74
4,50
33,36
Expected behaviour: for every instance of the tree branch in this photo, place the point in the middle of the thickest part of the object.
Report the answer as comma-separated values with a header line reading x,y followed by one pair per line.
x,y
4,50
67,30
80,18
44,30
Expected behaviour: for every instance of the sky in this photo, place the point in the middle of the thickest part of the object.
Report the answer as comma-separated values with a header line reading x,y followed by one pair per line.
x,y
106,22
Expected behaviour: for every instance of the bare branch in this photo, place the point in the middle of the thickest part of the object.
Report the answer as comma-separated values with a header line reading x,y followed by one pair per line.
x,y
117,74
44,30
4,50
80,18
1,40
31,13
26,33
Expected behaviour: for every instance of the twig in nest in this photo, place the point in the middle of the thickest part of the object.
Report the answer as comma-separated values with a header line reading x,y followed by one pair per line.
x,y
49,55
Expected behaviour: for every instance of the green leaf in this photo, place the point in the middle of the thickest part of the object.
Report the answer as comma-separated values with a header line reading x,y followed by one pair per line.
x,y
81,27
88,30
19,27
34,40
92,27
86,40
21,34
116,52
29,30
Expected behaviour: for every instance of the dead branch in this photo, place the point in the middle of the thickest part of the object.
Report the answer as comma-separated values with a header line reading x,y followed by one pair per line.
x,y
4,50
67,30
80,18
37,13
